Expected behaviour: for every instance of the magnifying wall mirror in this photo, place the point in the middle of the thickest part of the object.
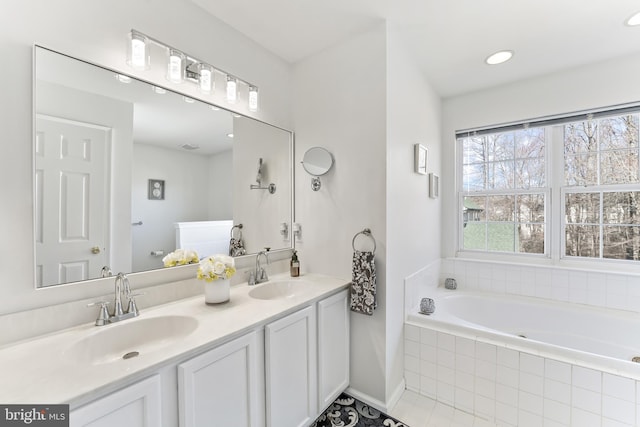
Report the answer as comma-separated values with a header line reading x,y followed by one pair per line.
x,y
317,161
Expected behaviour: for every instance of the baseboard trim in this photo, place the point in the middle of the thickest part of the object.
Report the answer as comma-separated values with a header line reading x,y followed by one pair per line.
x,y
379,405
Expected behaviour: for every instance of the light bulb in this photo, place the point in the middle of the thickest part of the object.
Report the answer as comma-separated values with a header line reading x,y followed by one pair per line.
x,y
205,80
175,66
138,55
232,90
253,98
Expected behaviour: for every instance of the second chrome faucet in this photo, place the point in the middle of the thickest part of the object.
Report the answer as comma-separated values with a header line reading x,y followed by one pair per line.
x,y
121,287
259,275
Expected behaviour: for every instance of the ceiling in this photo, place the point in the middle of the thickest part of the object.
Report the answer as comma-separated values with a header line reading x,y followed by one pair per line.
x,y
449,38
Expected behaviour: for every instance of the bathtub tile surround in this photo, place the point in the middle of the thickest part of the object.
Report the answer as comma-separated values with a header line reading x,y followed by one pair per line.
x,y
515,388
616,290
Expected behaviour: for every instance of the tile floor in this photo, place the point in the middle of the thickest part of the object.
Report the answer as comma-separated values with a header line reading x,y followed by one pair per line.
x,y
420,411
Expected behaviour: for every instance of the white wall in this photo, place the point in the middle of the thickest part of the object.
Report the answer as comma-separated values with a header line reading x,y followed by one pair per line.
x,y
220,186
259,211
96,31
186,178
413,219
599,85
339,103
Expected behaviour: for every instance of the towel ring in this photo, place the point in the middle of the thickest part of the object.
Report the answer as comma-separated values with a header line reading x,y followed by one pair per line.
x,y
239,227
366,232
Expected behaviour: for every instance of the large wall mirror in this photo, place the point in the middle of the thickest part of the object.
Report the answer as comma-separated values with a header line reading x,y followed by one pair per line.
x,y
123,168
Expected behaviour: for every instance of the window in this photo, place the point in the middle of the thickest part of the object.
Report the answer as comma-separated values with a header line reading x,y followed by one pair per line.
x,y
593,170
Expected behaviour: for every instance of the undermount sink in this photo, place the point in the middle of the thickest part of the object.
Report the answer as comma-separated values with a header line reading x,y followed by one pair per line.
x,y
130,338
277,289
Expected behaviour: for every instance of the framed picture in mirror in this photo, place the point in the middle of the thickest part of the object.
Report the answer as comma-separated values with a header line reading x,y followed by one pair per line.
x,y
156,189
420,159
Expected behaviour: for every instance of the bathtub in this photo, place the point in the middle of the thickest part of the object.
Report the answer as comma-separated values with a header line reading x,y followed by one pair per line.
x,y
525,361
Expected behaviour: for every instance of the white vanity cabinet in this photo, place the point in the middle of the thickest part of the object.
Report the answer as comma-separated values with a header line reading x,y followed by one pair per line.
x,y
224,386
307,361
291,374
138,405
333,348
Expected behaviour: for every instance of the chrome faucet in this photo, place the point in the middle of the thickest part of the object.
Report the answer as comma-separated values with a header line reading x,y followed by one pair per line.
x,y
121,286
259,275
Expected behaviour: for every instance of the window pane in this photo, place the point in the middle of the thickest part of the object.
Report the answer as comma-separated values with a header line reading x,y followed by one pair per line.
x,y
530,173
580,137
474,235
474,208
500,146
621,242
531,238
500,175
582,208
500,208
582,240
581,169
501,237
530,208
621,208
529,143
619,132
619,167
473,177
474,150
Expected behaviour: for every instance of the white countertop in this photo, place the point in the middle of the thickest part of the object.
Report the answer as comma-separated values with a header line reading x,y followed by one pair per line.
x,y
43,370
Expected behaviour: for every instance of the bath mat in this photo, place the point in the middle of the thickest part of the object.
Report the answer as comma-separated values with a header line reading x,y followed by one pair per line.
x,y
347,411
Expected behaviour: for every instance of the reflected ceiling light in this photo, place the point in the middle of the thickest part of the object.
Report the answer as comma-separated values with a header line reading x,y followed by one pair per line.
x,y
138,53
159,90
123,79
188,100
185,68
230,135
499,57
237,116
253,98
214,108
232,89
633,20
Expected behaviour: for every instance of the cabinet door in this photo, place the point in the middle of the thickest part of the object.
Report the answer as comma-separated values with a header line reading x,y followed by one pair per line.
x,y
333,348
135,406
224,386
291,370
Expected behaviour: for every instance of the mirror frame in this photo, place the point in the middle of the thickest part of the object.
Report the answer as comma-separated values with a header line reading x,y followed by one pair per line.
x,y
153,277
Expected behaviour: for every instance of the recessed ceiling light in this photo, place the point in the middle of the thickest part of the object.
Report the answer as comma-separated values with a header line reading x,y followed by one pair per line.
x,y
214,108
237,116
634,20
188,100
499,57
230,135
159,90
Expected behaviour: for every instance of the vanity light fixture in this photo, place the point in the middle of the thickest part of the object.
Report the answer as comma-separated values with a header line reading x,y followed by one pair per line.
x,y
232,89
138,52
182,68
633,20
253,98
175,66
499,57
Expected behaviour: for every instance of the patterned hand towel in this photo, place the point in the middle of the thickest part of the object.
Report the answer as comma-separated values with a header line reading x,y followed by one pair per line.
x,y
236,247
363,283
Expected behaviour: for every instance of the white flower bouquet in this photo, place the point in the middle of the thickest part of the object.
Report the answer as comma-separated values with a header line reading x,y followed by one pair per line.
x,y
180,257
216,267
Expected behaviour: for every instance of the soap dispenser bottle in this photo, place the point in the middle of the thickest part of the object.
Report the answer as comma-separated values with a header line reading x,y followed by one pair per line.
x,y
295,264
